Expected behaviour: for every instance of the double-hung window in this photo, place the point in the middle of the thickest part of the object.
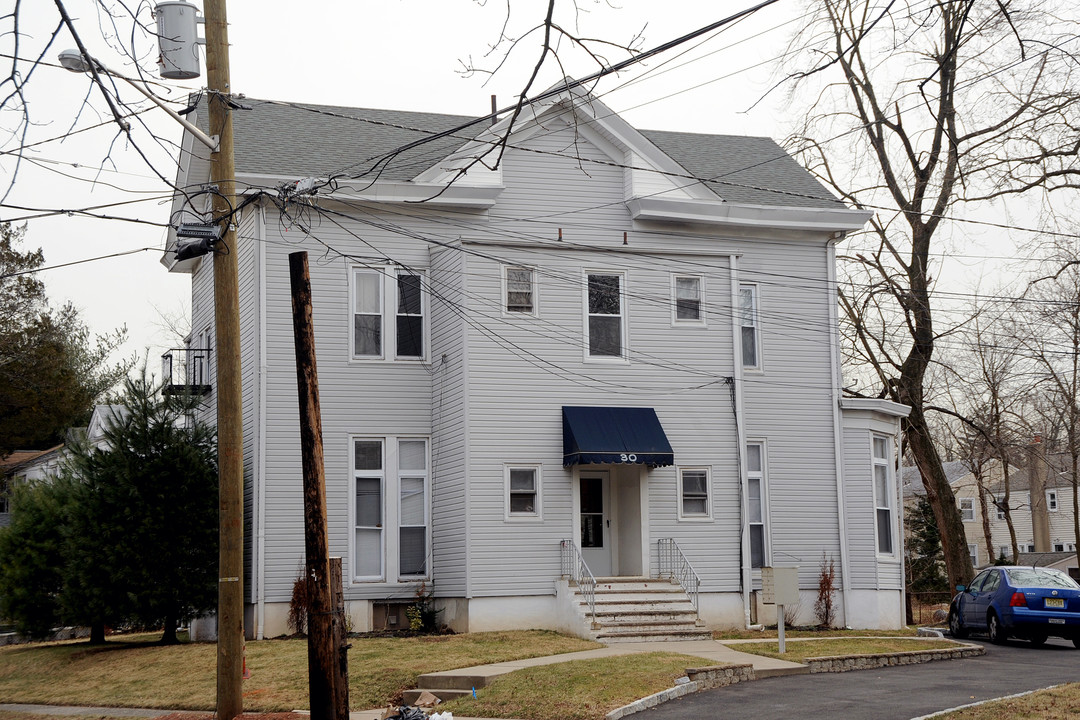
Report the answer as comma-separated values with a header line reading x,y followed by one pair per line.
x,y
967,509
694,493
883,496
973,552
1051,500
369,477
748,324
522,491
689,296
520,284
606,315
388,314
391,515
755,501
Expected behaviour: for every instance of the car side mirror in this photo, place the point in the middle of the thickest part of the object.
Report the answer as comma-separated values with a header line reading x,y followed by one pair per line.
x,y
961,588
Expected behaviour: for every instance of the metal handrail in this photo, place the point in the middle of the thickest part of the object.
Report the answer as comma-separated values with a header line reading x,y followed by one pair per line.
x,y
674,565
575,569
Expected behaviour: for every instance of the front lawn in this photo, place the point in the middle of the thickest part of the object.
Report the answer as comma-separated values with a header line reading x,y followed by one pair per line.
x,y
802,650
770,632
136,672
576,690
1060,703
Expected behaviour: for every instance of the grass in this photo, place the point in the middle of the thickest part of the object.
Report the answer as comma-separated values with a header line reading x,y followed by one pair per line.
x,y
135,672
1060,703
801,651
576,690
742,634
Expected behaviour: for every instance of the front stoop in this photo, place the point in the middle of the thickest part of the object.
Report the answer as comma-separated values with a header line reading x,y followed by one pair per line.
x,y
640,609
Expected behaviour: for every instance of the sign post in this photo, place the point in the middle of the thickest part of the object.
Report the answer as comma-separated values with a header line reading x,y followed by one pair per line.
x,y
780,586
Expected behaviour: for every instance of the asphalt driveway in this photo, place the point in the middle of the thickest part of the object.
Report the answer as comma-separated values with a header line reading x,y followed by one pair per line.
x,y
893,693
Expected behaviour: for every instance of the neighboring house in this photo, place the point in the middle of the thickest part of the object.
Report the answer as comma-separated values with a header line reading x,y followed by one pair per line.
x,y
965,485
589,344
24,466
28,465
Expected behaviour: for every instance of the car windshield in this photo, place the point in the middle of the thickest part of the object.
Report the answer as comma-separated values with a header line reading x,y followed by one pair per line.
x,y
1040,577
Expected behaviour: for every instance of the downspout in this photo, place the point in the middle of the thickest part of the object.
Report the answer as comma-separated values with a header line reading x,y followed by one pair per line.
x,y
898,443
260,304
838,422
740,439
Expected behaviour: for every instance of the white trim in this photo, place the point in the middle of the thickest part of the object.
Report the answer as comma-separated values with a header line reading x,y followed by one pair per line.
x,y
737,216
534,292
960,503
701,320
884,461
538,512
707,516
885,407
624,322
399,474
755,319
837,383
388,312
763,490
1051,501
352,576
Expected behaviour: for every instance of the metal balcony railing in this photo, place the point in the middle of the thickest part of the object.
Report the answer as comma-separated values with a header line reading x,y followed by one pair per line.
x,y
186,371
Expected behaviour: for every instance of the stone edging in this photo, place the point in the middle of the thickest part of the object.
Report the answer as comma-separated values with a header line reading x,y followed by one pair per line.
x,y
703,678
847,663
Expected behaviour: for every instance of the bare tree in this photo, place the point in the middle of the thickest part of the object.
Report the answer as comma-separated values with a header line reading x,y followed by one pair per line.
x,y
940,104
1051,320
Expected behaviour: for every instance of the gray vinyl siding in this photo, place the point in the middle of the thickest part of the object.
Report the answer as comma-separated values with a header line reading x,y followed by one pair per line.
x,y
789,402
869,570
449,457
247,249
677,370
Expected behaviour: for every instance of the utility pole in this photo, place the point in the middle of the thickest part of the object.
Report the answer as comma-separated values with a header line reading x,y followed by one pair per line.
x,y
322,658
230,429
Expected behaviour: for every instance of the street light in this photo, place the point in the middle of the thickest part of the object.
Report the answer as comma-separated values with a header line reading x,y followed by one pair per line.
x,y
76,62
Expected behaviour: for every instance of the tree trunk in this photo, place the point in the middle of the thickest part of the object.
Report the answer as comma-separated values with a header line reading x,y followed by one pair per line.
x,y
97,634
940,495
168,636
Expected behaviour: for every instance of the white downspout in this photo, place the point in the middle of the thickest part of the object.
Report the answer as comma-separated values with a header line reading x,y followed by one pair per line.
x,y
260,305
838,422
740,433
898,482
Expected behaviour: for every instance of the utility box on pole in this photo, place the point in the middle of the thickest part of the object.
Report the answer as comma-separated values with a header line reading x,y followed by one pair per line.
x,y
178,40
780,587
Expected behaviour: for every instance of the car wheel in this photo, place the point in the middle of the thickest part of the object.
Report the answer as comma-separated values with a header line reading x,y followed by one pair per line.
x,y
956,629
994,630
1038,639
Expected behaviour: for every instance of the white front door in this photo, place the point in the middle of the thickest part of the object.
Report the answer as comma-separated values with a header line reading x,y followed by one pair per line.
x,y
595,502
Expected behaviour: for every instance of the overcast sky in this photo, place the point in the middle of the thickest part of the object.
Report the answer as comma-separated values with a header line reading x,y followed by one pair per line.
x,y
400,54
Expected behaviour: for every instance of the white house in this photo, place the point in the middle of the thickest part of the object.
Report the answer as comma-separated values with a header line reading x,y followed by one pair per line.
x,y
613,343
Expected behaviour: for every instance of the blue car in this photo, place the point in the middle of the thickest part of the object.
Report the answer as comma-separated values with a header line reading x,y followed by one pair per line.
x,y
1025,602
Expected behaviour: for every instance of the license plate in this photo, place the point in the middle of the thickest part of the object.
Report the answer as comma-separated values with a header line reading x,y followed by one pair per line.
x,y
1055,602
1057,621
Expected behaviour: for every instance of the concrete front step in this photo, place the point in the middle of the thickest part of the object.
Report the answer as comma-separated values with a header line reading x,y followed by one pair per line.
x,y
411,696
642,635
675,595
675,605
635,585
452,681
604,617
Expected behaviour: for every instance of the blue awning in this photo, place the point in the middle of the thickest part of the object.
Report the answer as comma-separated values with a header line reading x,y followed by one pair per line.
x,y
614,435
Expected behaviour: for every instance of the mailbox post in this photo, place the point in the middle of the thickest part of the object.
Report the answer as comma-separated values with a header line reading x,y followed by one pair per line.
x,y
780,586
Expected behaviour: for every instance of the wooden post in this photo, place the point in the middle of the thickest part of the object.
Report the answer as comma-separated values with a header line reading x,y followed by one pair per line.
x,y
230,425
321,652
341,641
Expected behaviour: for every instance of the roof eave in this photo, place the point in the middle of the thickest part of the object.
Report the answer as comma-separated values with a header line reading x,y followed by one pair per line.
x,y
737,216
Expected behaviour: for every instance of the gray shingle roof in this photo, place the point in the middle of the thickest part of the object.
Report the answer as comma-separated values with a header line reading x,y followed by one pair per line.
x,y
300,140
